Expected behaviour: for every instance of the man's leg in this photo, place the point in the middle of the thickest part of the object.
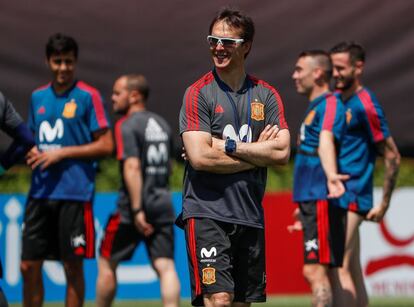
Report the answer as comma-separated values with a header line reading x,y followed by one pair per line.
x,y
170,285
345,289
106,282
220,299
33,291
358,277
75,288
317,276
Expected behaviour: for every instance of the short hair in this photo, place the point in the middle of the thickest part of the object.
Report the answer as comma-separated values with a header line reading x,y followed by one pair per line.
x,y
235,19
137,82
355,50
322,59
60,43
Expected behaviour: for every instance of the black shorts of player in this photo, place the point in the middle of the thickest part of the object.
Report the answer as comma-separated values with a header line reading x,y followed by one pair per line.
x,y
121,239
225,257
324,226
58,230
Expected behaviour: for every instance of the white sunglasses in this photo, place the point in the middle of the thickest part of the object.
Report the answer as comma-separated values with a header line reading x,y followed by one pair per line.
x,y
213,41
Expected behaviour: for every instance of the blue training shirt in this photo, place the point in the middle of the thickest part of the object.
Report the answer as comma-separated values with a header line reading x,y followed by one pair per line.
x,y
325,112
366,126
68,119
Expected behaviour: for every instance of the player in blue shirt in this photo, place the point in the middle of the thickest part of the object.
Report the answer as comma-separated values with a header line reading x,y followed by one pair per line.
x,y
71,129
367,135
317,184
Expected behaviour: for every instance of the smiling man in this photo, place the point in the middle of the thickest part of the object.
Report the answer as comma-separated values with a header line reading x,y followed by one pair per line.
x,y
71,129
233,127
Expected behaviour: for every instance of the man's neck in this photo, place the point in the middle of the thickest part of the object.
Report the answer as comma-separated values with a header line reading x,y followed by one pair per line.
x,y
139,107
356,86
60,89
318,91
234,78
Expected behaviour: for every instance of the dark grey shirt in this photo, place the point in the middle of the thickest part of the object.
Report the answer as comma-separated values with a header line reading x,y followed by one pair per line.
x,y
210,105
146,136
9,118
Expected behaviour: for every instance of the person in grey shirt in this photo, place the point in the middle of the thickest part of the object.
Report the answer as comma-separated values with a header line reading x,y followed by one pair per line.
x,y
144,212
13,125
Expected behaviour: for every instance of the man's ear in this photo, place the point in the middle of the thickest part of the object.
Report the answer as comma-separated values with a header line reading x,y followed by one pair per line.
x,y
359,67
247,46
135,96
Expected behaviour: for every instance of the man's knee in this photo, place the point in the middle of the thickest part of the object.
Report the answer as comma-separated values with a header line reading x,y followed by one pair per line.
x,y
73,269
314,273
163,265
221,299
30,268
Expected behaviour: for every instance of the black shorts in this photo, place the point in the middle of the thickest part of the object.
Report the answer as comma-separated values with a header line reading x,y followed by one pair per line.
x,y
121,239
225,257
324,226
58,230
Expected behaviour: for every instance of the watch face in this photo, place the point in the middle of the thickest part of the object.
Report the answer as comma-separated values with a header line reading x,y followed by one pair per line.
x,y
230,146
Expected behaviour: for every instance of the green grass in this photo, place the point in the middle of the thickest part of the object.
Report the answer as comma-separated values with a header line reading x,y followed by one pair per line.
x,y
276,301
17,180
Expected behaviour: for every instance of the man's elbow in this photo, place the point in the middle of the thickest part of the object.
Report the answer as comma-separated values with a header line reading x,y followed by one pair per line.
x,y
107,147
282,157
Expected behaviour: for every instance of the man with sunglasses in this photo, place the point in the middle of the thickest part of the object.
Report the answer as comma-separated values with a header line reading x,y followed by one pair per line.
x,y
233,127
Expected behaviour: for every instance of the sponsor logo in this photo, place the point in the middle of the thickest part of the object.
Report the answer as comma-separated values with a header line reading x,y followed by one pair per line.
x,y
219,109
311,245
245,133
69,110
207,255
257,110
48,133
209,276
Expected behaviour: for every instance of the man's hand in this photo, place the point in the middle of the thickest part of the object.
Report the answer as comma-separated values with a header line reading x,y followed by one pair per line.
x,y
297,224
44,159
141,224
376,214
269,133
336,186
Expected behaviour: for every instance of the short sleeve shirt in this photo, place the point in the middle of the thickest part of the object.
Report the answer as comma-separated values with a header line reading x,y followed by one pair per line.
x,y
325,112
209,105
146,136
9,118
63,120
366,126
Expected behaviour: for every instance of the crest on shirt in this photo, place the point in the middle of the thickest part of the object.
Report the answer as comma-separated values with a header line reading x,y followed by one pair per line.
x,y
309,118
69,110
209,276
348,116
257,110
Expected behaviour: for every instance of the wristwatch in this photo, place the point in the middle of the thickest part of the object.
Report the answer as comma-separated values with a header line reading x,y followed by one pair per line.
x,y
230,145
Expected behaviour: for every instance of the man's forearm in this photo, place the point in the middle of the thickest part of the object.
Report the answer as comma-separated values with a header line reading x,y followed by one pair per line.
x,y
392,164
267,153
327,153
133,182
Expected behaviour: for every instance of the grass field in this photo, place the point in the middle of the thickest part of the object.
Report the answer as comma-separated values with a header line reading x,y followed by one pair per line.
x,y
276,301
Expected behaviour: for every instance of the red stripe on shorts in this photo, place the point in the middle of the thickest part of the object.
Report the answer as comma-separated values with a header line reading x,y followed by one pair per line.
x,y
193,255
89,230
323,231
110,232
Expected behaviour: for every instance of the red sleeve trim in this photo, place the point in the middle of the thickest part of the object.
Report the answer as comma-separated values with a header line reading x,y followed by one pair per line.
x,y
330,113
192,100
97,103
372,115
118,138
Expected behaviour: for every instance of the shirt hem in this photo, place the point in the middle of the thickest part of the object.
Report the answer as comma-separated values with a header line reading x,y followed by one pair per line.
x,y
226,220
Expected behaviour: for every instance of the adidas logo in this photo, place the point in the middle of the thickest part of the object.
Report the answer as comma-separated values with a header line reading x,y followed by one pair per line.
x,y
311,255
41,110
219,109
154,132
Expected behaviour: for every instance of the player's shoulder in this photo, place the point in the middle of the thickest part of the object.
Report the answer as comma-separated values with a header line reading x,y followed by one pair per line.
x,y
41,90
87,89
202,82
263,86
